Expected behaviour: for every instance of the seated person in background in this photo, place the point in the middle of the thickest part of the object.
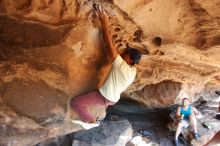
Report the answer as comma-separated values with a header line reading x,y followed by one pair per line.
x,y
187,115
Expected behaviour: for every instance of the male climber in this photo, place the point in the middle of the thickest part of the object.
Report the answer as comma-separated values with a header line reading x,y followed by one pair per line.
x,y
120,76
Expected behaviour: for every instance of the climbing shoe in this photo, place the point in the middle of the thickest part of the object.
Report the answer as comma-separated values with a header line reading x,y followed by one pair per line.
x,y
197,136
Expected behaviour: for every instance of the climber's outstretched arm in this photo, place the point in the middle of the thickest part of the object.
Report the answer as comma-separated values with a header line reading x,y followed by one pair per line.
x,y
103,18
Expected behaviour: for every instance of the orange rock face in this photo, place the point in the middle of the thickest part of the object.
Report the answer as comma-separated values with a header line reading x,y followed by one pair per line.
x,y
51,51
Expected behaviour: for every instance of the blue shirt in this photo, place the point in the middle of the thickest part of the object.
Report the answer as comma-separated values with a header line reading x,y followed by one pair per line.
x,y
186,113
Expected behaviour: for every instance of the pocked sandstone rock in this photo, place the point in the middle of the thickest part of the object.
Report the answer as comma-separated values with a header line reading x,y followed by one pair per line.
x,y
51,51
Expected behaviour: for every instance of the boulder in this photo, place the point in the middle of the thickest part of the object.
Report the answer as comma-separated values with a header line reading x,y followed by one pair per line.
x,y
116,132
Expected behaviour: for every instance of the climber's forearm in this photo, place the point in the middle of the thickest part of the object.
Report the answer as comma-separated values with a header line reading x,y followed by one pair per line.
x,y
112,51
